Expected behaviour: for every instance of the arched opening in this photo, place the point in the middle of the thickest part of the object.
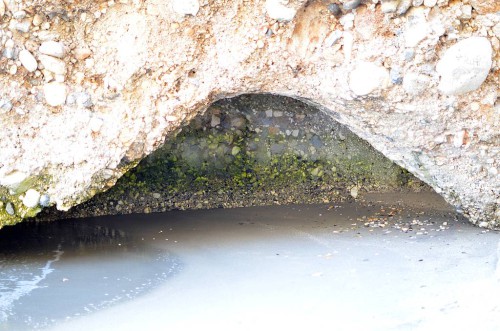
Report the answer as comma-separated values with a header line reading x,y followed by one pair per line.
x,y
253,150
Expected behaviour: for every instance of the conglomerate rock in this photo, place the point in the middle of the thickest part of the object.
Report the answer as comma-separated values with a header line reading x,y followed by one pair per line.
x,y
88,88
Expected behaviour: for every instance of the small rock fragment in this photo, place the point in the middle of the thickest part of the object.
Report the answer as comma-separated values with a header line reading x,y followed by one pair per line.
x,y
277,10
52,48
354,192
465,66
53,64
368,77
334,9
45,200
82,53
186,7
55,93
31,198
28,60
389,6
9,208
403,6
351,4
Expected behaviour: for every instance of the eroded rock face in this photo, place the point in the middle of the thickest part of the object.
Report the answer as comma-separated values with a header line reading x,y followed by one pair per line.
x,y
132,72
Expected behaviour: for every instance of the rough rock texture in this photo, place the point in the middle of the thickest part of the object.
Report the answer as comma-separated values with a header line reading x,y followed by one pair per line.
x,y
133,71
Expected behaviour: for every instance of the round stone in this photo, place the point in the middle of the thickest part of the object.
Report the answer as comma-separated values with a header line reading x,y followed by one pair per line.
x,y
45,200
28,60
368,77
9,208
52,48
55,93
31,198
465,66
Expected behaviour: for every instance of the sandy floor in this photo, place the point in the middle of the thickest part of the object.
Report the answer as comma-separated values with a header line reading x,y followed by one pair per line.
x,y
410,264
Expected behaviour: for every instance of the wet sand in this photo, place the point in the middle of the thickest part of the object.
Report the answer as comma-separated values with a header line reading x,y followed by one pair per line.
x,y
391,262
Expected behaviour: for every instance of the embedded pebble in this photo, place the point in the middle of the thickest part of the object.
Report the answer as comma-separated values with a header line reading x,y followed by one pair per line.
x,y
464,66
5,106
334,9
52,48
389,6
368,77
186,7
55,93
95,124
352,4
45,200
403,6
53,64
9,208
31,198
28,60
277,10
23,26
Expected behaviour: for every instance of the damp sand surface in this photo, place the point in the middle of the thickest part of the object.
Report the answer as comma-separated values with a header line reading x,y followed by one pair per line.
x,y
387,262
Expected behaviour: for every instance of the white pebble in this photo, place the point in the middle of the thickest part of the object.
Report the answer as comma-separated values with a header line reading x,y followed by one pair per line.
x,y
53,64
28,60
368,77
31,198
186,7
55,93
464,66
277,10
53,48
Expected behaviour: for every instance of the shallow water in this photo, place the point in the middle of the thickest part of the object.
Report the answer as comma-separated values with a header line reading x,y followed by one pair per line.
x,y
50,272
391,262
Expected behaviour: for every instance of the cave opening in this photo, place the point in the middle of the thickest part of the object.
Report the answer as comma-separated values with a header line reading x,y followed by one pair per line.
x,y
251,150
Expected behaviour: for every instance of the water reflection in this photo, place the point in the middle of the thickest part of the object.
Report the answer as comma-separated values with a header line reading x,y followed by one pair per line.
x,y
50,272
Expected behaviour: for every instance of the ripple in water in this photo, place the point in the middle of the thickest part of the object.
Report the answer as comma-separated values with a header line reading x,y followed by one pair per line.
x,y
50,272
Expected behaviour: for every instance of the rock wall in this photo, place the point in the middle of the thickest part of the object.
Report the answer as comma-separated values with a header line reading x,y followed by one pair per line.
x,y
88,88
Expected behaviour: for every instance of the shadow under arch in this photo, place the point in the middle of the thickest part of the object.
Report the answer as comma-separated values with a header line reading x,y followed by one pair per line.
x,y
250,150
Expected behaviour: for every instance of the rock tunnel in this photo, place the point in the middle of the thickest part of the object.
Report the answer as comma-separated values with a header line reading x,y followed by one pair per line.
x,y
252,150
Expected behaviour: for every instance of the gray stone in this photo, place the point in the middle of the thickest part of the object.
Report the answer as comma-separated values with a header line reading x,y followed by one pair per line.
x,y
8,53
5,106
9,208
351,4
45,200
334,9
465,66
396,76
